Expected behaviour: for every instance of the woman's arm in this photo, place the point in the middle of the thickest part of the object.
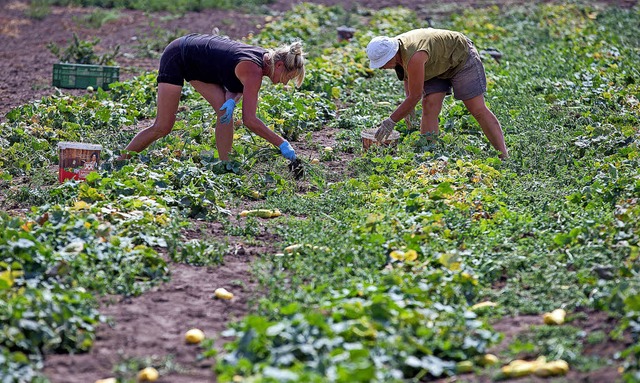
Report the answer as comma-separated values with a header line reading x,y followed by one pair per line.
x,y
414,84
250,75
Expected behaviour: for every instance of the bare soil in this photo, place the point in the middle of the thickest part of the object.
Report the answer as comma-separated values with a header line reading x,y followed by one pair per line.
x,y
152,325
26,63
590,321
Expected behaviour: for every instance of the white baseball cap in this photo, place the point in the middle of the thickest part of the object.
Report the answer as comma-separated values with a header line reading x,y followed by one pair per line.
x,y
381,49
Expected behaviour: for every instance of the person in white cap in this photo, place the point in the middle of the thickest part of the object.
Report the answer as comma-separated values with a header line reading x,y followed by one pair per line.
x,y
432,62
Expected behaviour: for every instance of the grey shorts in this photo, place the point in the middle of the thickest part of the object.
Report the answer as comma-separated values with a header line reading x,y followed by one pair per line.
x,y
468,83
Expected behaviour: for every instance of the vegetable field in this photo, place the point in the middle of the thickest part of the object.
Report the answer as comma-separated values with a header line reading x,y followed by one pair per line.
x,y
427,261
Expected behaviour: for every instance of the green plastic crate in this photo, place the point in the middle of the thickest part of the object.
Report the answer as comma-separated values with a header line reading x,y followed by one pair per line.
x,y
81,76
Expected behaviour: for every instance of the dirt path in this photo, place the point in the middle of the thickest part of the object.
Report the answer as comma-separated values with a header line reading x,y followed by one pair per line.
x,y
153,325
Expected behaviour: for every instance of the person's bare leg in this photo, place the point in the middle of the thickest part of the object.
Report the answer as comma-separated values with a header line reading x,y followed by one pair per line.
x,y
215,95
431,107
168,100
488,122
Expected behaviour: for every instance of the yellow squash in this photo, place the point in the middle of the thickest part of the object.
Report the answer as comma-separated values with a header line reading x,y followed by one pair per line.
x,y
222,293
148,374
194,336
261,213
556,317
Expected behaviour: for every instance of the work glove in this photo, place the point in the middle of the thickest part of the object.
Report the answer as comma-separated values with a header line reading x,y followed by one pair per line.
x,y
287,151
384,130
228,107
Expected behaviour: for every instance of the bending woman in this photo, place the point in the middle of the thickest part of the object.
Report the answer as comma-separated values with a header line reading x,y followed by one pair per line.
x,y
222,71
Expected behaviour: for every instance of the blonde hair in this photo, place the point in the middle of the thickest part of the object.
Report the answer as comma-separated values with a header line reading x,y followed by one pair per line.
x,y
292,58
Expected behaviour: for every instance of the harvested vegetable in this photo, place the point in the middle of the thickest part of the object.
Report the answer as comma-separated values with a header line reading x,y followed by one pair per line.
x,y
540,367
222,293
262,213
556,317
148,374
194,336
482,305
488,360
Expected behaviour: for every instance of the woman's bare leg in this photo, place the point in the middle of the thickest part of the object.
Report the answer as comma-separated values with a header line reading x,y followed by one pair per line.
x,y
488,122
168,100
215,95
431,107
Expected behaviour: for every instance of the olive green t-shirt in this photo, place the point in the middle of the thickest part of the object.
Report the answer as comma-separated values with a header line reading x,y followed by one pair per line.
x,y
447,50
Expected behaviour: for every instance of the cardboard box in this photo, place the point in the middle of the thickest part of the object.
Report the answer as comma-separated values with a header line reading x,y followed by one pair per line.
x,y
77,159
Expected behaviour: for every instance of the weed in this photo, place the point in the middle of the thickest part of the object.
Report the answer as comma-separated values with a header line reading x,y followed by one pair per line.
x,y
82,52
99,17
38,9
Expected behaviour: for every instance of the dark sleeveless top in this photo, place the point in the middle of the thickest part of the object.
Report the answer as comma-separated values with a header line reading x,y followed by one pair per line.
x,y
213,59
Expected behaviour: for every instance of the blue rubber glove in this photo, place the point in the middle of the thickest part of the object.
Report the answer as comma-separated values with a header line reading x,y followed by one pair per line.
x,y
287,151
228,106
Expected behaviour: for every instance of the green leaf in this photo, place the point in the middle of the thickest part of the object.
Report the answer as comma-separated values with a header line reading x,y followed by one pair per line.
x,y
280,375
92,177
22,243
276,329
562,239
103,115
632,303
4,283
74,248
442,191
